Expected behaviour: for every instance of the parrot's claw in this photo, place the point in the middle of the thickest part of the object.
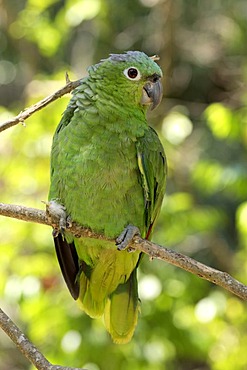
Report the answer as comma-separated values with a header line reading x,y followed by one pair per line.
x,y
57,213
68,222
126,237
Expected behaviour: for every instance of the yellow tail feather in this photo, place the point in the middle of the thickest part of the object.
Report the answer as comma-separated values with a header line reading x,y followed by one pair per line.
x,y
121,311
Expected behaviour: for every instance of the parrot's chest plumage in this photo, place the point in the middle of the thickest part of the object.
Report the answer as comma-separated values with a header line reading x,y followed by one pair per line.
x,y
99,179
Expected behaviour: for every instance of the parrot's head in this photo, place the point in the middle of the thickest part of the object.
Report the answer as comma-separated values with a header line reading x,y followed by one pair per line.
x,y
130,79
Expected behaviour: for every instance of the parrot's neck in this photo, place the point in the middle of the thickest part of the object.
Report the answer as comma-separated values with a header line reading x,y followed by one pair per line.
x,y
110,112
121,119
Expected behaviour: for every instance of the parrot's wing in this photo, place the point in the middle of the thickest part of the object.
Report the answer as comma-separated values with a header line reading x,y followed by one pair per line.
x,y
66,252
78,96
153,169
66,118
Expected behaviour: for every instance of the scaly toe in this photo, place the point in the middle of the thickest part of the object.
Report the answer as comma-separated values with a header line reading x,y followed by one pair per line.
x,y
126,237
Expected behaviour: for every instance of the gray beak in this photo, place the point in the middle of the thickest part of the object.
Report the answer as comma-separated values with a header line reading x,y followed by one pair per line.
x,y
152,92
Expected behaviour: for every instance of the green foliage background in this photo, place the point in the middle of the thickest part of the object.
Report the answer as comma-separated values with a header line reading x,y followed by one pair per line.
x,y
185,323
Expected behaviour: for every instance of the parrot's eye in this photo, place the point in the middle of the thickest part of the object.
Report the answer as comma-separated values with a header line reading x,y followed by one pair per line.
x,y
132,73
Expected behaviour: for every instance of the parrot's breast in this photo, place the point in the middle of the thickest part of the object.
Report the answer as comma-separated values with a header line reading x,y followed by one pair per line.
x,y
98,180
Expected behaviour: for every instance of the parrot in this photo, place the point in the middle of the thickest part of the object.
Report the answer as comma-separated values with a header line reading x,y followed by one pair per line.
x,y
108,172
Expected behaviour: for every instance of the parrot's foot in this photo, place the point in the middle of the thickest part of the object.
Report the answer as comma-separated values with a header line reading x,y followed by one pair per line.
x,y
126,237
57,213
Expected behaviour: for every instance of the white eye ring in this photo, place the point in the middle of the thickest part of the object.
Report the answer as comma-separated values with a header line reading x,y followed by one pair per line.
x,y
132,73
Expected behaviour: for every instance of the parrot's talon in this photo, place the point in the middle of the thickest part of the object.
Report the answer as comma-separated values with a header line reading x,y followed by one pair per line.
x,y
55,232
126,237
69,222
57,213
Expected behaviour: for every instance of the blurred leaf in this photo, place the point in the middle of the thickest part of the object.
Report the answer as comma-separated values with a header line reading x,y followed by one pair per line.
x,y
219,119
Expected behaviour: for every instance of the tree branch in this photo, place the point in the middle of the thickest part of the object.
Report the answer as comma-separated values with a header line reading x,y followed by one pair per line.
x,y
26,347
22,116
217,277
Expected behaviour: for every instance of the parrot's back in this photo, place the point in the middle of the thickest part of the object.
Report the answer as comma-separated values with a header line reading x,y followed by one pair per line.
x,y
108,170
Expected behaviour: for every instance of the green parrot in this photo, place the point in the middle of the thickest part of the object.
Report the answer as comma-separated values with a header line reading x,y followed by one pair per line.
x,y
108,171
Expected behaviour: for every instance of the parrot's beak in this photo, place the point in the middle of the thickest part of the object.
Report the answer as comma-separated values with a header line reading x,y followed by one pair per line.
x,y
152,92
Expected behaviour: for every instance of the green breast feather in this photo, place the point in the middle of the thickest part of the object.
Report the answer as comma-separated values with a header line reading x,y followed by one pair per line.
x,y
108,169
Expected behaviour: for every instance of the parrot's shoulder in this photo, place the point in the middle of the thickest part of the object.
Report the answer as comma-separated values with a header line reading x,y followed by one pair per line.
x,y
83,98
150,145
84,94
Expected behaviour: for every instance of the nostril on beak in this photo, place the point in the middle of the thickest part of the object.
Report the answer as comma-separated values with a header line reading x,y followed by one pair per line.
x,y
154,78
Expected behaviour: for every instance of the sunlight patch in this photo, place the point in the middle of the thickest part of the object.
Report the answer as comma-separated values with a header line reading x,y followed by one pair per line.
x,y
205,310
149,287
176,127
71,341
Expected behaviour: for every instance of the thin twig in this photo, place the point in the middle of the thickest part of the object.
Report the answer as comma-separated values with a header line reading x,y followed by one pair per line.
x,y
26,347
205,272
217,277
22,116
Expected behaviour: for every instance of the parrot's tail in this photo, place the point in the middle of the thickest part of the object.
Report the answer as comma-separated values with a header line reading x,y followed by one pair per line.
x,y
121,310
108,288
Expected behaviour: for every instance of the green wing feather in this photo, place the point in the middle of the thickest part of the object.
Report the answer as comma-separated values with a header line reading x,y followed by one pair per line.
x,y
153,170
